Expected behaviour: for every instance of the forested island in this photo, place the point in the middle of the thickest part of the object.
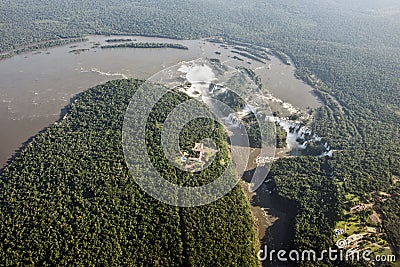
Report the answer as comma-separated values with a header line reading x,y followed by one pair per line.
x,y
247,55
119,40
146,45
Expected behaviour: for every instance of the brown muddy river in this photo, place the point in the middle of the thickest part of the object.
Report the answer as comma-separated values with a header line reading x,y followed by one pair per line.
x,y
35,86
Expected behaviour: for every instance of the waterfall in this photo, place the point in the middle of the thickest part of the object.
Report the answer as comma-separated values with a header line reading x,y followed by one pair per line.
x,y
298,136
233,120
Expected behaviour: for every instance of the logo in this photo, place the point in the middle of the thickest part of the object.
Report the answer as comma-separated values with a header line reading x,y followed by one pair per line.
x,y
223,94
341,243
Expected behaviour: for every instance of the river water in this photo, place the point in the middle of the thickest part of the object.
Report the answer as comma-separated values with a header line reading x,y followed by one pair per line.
x,y
35,86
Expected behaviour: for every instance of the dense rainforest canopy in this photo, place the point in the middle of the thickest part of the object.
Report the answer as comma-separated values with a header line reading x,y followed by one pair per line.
x,y
348,50
67,198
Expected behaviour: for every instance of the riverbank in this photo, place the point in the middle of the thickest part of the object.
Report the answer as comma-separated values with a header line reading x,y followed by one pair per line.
x,y
36,85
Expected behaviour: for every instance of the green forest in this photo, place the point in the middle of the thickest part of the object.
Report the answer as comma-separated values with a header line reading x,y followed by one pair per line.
x,y
67,199
349,51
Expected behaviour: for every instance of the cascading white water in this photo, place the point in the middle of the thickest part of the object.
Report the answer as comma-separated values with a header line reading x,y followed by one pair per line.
x,y
298,136
233,120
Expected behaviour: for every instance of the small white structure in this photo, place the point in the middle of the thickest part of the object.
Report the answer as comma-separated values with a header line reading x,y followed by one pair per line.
x,y
261,161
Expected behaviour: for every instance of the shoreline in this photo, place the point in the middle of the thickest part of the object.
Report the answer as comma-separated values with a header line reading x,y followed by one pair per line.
x,y
75,39
29,99
61,116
